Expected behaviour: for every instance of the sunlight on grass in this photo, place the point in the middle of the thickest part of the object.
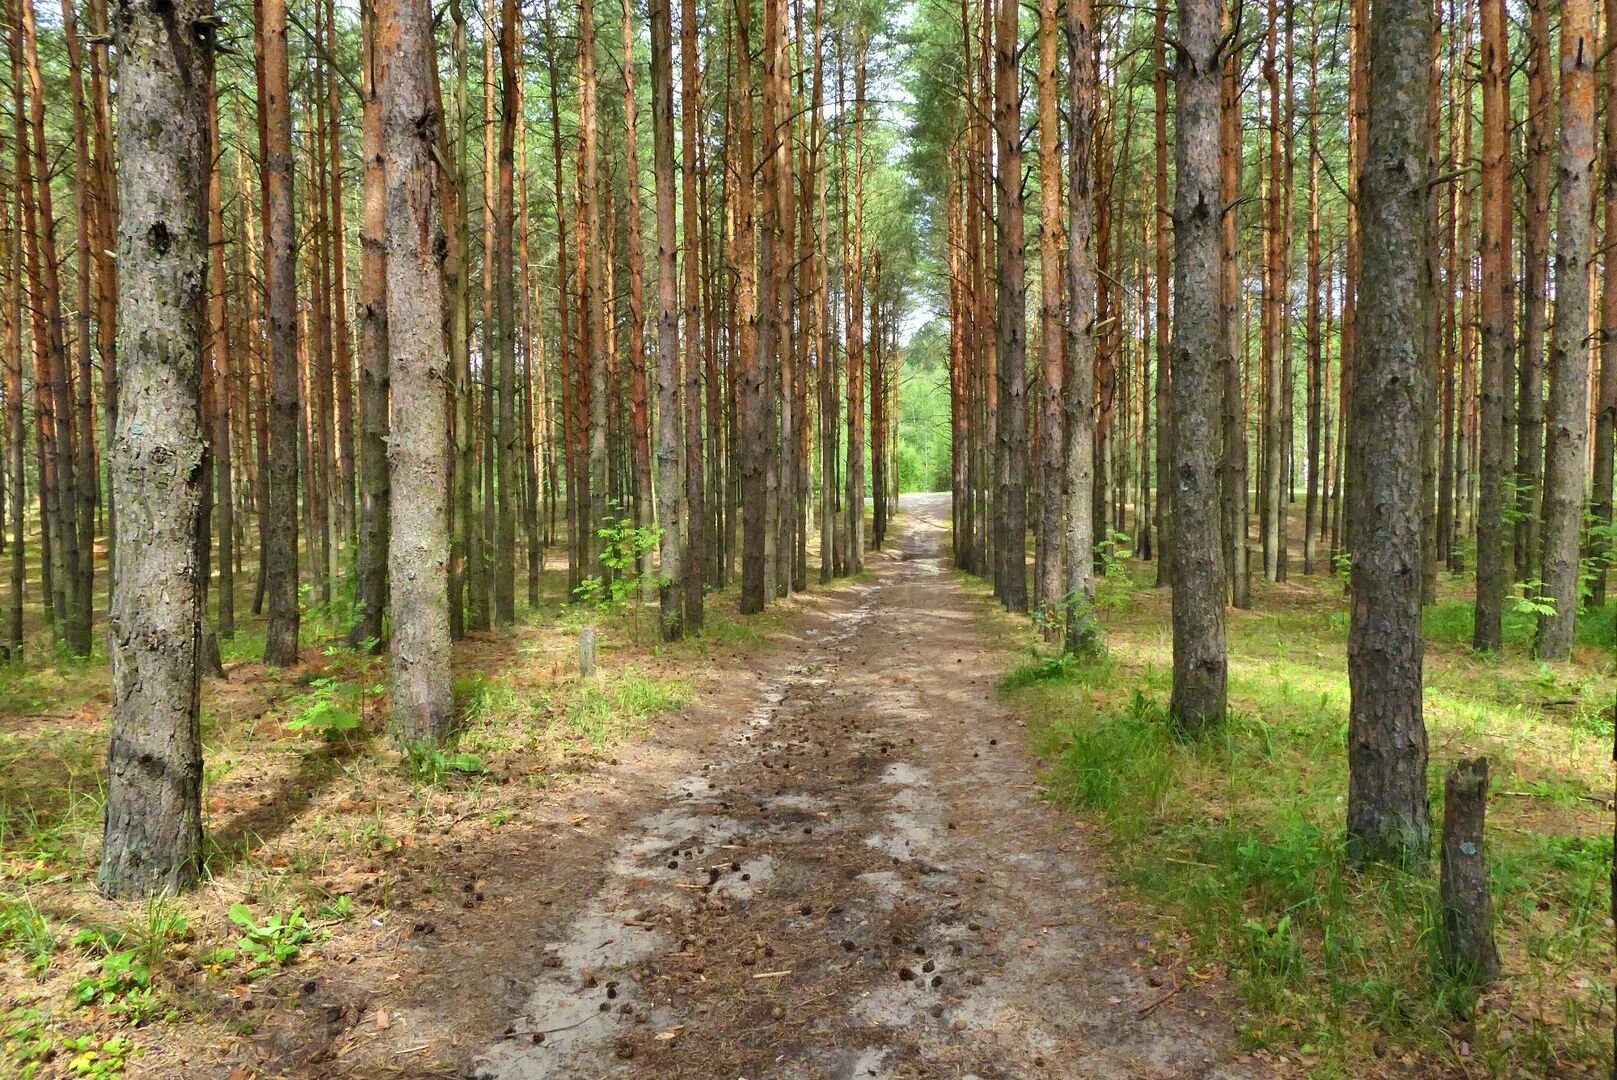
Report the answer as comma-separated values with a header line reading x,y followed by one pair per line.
x,y
1237,839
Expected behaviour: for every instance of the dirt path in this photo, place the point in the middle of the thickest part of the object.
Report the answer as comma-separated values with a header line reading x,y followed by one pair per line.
x,y
854,878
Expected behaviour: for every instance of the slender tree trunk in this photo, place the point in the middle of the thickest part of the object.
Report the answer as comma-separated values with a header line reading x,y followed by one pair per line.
x,y
153,836
1567,417
281,528
1606,396
1082,632
1200,664
418,452
219,354
84,466
1048,564
1388,816
1162,216
1233,481
695,556
1012,341
505,539
670,480
16,447
371,579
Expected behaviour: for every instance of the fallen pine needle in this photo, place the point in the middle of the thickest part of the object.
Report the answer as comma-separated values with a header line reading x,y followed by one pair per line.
x,y
771,974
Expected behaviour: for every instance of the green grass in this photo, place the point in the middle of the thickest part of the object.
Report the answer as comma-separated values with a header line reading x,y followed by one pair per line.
x,y
1236,840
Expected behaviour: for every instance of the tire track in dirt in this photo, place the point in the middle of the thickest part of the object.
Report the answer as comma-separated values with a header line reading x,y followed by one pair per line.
x,y
861,883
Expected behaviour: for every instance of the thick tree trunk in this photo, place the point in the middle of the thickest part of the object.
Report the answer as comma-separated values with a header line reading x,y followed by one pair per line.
x,y
281,525
371,579
418,452
1200,674
1387,805
153,837
1567,417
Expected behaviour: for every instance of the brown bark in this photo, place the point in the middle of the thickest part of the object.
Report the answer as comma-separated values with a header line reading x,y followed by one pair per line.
x,y
281,527
670,478
1161,216
1233,499
1048,590
1496,223
371,576
506,458
1605,436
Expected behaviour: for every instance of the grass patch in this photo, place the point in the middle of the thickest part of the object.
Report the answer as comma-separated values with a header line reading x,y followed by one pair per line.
x,y
1236,840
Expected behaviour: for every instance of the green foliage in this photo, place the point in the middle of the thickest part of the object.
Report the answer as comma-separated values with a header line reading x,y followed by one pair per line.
x,y
24,927
1089,670
1527,598
608,710
274,943
1111,553
624,549
123,987
433,765
94,1058
326,718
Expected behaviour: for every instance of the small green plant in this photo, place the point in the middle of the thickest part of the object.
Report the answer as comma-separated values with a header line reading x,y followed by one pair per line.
x,y
24,927
433,766
340,909
165,924
1527,598
123,987
331,709
274,943
1110,553
94,1058
624,549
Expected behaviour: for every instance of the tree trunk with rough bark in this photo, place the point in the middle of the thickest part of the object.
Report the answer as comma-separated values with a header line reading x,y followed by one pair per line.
x,y
1388,815
1200,663
418,451
153,837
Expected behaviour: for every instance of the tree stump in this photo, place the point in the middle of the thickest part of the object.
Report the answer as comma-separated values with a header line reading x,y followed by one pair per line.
x,y
586,651
1468,944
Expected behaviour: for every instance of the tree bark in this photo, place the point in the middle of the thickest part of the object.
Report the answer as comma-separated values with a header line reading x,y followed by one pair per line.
x,y
281,526
1049,568
1082,631
371,579
670,478
1200,668
418,452
1468,944
1387,805
1567,417
153,837
1012,340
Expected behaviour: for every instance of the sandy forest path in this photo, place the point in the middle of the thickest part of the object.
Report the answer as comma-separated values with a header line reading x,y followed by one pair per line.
x,y
854,878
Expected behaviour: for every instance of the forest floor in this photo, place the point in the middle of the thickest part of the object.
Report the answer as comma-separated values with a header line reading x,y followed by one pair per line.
x,y
835,840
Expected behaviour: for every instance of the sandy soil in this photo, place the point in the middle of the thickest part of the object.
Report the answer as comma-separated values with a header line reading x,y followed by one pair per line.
x,y
843,870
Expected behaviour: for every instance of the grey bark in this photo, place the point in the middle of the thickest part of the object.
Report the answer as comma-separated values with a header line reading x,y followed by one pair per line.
x,y
1387,806
1200,664
1012,326
153,837
1468,944
418,452
1567,417
670,477
1082,634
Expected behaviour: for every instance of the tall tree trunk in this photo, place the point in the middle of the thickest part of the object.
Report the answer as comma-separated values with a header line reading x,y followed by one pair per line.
x,y
219,351
371,579
1200,665
84,466
1012,341
694,558
153,836
1388,816
1567,417
1082,633
281,528
1048,564
16,448
1492,568
594,302
1164,238
505,539
1233,479
418,452
670,479
1606,397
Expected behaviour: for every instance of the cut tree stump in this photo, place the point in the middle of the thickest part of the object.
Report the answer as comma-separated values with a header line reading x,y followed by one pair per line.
x,y
586,651
1468,945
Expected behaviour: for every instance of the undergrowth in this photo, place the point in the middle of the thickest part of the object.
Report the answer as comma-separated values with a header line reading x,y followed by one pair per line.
x,y
1236,840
